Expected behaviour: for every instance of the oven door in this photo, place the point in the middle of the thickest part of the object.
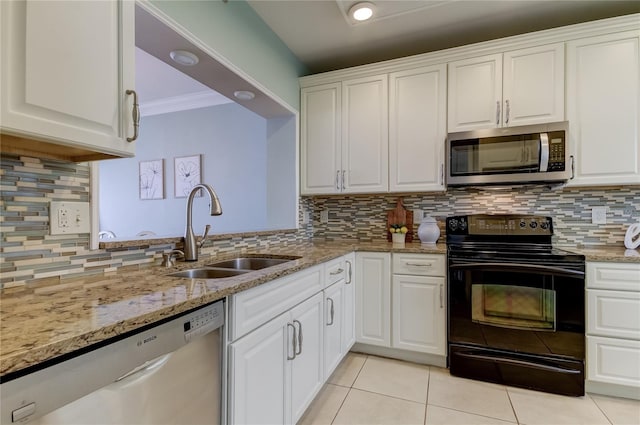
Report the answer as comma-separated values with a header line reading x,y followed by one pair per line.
x,y
518,323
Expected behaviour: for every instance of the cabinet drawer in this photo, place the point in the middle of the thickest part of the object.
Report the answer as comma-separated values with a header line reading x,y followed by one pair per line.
x,y
251,308
613,313
334,271
615,361
419,264
619,276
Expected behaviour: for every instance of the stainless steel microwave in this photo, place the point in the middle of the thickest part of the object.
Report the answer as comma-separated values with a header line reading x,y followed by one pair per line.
x,y
513,155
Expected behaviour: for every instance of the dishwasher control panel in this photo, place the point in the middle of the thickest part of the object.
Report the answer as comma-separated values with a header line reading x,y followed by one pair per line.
x,y
203,321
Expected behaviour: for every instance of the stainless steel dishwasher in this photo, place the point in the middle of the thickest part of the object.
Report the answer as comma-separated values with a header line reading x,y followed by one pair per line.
x,y
168,374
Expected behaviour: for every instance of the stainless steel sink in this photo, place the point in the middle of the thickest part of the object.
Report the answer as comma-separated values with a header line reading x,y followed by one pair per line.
x,y
250,263
206,273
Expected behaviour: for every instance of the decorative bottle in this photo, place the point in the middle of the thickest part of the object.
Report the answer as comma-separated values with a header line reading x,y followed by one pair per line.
x,y
428,231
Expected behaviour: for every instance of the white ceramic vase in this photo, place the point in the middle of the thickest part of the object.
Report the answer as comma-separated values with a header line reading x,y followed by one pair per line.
x,y
428,231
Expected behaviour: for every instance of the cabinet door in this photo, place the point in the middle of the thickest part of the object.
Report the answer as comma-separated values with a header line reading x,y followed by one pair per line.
x,y
259,373
614,361
373,298
320,140
603,110
417,129
349,299
307,373
533,85
65,68
613,313
419,322
365,136
475,93
333,307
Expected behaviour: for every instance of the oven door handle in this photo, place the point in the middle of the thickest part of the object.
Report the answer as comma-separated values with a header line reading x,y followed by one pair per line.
x,y
529,267
516,362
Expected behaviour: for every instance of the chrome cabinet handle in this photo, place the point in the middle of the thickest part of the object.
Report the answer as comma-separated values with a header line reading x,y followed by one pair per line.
x,y
298,352
135,114
419,264
295,342
340,270
507,111
349,274
343,186
498,113
442,174
338,180
573,167
331,322
441,295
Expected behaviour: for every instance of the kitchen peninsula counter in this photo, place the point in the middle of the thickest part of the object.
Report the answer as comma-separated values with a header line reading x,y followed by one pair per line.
x,y
39,323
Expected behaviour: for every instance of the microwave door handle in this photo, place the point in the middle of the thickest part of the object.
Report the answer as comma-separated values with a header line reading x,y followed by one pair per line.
x,y
544,152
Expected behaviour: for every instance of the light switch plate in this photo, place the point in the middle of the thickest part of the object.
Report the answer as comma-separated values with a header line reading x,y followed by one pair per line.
x,y
69,217
324,216
599,215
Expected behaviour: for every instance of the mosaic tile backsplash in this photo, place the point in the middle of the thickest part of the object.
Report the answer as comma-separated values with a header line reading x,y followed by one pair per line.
x,y
28,254
364,216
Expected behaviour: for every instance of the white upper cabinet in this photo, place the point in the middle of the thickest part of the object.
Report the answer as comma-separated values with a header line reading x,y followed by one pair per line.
x,y
417,129
345,137
603,110
321,147
475,93
365,135
518,87
533,85
66,67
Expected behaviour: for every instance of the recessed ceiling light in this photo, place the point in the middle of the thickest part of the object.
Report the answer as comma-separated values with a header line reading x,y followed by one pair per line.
x,y
184,57
362,11
244,94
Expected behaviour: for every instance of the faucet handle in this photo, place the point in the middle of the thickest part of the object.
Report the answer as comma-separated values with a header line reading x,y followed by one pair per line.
x,y
204,235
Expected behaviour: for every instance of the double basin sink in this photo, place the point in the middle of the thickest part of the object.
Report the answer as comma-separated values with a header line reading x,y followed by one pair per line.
x,y
232,267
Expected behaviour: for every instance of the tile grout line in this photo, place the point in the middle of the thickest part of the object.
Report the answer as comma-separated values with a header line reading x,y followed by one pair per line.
x,y
350,388
593,400
515,414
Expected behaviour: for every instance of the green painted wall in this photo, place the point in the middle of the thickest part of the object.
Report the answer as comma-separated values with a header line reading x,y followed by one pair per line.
x,y
234,31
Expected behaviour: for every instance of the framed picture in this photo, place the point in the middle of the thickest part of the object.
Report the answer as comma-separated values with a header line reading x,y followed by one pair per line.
x,y
186,174
151,179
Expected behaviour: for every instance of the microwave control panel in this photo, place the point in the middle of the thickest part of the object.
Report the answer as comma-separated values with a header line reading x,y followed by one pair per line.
x,y
556,151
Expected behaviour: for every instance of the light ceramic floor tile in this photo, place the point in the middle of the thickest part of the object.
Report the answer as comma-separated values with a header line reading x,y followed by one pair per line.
x,y
394,378
348,369
619,411
325,406
534,407
362,407
441,416
480,398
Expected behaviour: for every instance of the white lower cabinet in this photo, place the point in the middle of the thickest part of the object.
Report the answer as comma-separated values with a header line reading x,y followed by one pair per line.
x,y
418,318
613,328
277,365
334,307
406,310
276,370
373,298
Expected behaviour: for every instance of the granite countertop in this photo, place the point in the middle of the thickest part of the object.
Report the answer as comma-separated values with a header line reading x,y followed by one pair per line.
x,y
40,323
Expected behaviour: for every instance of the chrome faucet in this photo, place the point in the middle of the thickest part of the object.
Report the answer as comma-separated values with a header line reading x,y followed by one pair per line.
x,y
190,244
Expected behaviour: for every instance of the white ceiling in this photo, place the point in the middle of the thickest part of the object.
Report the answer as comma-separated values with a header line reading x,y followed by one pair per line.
x,y
322,36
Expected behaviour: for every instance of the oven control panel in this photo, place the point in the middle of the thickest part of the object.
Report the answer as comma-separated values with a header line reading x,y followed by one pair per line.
x,y
486,224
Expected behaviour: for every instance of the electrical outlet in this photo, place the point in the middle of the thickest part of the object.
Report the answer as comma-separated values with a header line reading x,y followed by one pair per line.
x,y
305,217
628,211
324,216
69,217
599,215
417,216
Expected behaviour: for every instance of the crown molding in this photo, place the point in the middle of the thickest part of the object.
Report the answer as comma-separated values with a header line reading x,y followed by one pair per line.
x,y
182,103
